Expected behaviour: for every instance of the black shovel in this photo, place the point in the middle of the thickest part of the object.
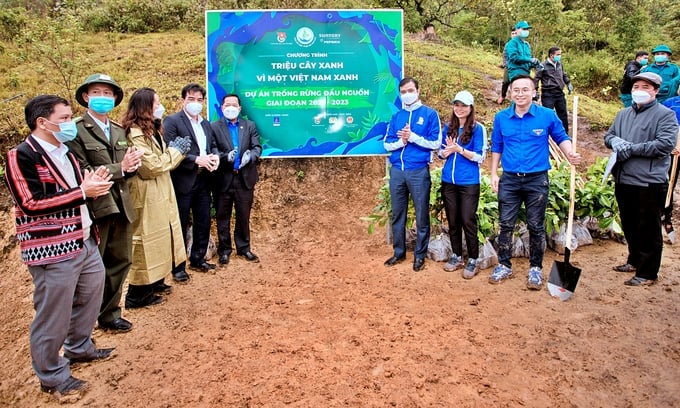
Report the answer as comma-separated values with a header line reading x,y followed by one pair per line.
x,y
563,275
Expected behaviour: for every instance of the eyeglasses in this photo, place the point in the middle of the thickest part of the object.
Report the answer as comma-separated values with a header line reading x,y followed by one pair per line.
x,y
521,91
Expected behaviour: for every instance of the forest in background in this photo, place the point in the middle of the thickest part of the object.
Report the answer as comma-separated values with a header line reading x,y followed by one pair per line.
x,y
51,45
597,36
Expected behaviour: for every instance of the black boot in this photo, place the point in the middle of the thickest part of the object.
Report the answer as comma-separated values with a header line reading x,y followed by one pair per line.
x,y
141,296
161,287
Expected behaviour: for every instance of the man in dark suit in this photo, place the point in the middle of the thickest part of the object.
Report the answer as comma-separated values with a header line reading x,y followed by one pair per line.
x,y
239,145
192,179
102,142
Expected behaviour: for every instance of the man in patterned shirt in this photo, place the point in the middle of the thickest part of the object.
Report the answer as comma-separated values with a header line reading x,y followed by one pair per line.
x,y
58,243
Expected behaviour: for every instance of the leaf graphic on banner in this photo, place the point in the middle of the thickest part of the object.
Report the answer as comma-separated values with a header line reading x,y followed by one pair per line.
x,y
388,79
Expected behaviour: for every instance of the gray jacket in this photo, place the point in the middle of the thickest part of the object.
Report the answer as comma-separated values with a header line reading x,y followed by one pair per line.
x,y
653,131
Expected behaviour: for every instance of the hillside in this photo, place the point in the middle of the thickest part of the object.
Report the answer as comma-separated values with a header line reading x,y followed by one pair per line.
x,y
320,322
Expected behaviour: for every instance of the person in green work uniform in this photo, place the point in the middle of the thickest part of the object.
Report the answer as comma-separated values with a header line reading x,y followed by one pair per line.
x,y
102,142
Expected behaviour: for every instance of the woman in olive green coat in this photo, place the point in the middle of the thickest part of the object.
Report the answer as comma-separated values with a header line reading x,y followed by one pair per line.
x,y
157,239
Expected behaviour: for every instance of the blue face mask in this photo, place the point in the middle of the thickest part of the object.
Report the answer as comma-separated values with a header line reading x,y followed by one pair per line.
x,y
101,104
644,61
67,131
524,33
660,59
557,58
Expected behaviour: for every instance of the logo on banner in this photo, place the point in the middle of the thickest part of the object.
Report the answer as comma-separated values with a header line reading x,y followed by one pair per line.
x,y
281,36
305,37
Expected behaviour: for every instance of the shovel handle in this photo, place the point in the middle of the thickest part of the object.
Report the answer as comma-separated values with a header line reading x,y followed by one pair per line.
x,y
572,180
674,170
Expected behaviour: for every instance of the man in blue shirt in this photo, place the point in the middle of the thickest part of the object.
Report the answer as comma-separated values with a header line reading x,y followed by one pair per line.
x,y
519,142
413,133
239,144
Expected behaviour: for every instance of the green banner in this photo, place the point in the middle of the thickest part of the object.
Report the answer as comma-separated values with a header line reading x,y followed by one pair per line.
x,y
316,83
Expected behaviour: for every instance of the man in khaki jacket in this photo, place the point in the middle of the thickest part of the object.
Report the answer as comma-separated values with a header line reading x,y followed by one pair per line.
x,y
102,142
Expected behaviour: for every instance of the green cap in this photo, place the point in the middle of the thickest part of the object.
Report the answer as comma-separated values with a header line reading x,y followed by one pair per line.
x,y
99,79
662,48
522,24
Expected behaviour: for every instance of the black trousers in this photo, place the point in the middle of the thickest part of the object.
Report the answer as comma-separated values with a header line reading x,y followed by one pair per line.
x,y
640,209
115,247
506,83
238,198
196,202
556,100
460,205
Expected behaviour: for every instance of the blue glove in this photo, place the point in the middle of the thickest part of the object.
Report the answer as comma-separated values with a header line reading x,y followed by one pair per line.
x,y
624,153
619,144
183,144
246,158
570,87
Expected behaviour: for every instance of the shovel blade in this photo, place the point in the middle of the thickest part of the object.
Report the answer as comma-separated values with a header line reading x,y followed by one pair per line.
x,y
563,279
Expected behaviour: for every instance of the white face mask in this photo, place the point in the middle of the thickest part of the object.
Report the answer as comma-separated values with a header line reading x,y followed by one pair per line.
x,y
641,97
158,112
230,112
194,108
409,98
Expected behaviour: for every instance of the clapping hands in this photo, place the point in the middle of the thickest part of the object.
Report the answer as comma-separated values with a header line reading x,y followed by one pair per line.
x,y
451,147
96,183
132,159
405,133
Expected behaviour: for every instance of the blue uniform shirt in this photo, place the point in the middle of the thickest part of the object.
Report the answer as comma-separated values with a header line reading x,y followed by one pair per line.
x,y
426,136
523,142
674,105
460,170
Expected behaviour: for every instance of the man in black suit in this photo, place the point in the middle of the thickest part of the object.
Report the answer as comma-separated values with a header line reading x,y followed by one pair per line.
x,y
192,179
239,145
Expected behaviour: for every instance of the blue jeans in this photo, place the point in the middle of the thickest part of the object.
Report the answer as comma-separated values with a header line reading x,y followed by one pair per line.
x,y
514,189
416,183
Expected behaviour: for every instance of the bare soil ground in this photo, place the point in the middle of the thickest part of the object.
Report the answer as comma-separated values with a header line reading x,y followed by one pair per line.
x,y
320,322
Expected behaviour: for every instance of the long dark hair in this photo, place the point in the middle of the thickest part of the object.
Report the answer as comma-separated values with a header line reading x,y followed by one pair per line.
x,y
468,127
140,112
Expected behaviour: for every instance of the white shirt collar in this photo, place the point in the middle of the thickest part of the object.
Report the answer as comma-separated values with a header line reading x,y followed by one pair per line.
x,y
58,152
200,119
101,124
